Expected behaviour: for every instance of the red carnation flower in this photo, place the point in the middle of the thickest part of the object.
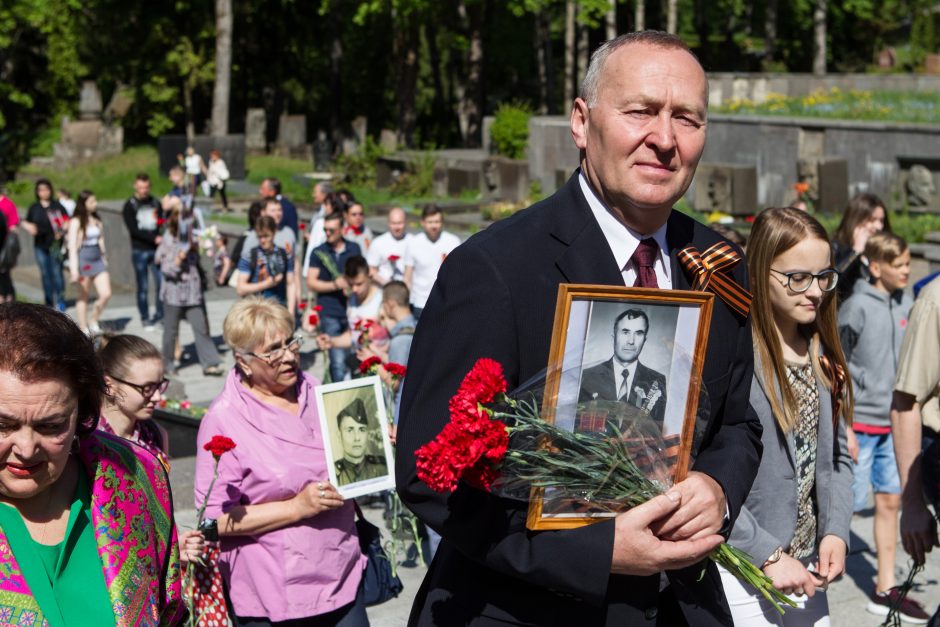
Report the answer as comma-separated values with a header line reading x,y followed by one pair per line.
x,y
185,404
302,305
314,319
303,227
218,445
366,366
484,381
318,307
393,258
396,370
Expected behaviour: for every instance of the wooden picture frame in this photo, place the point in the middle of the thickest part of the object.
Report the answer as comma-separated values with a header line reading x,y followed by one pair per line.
x,y
368,440
664,362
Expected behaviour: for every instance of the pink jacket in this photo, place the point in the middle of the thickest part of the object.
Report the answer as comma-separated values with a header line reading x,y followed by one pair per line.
x,y
297,571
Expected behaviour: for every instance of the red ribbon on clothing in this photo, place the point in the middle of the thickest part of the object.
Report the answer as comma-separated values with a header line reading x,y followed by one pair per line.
x,y
710,270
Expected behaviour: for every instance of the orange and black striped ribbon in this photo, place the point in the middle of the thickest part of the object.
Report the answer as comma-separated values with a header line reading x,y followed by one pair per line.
x,y
710,270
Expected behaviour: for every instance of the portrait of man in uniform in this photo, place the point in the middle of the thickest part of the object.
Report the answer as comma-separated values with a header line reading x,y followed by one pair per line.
x,y
356,464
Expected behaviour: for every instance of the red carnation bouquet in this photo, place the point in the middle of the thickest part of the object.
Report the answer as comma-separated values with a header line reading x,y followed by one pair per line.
x,y
500,443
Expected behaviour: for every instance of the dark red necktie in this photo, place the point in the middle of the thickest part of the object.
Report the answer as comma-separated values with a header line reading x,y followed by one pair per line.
x,y
644,260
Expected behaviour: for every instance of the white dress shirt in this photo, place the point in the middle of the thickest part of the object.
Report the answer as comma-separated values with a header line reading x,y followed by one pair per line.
x,y
623,240
620,374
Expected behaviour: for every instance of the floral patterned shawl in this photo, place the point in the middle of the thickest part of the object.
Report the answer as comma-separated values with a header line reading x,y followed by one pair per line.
x,y
132,515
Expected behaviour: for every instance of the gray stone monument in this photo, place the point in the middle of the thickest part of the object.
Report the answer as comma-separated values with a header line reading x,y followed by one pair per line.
x,y
726,187
828,179
322,152
256,126
89,104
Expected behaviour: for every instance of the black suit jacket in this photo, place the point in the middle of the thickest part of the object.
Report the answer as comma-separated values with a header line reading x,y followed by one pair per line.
x,y
599,383
495,297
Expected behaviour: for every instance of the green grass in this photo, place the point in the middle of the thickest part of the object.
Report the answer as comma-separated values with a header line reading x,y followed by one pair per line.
x,y
284,168
884,106
109,178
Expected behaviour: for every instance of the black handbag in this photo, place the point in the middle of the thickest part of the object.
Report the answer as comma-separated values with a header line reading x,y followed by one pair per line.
x,y
378,583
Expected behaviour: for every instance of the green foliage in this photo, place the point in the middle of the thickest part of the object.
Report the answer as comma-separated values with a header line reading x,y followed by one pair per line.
x,y
419,179
359,167
42,143
165,99
510,129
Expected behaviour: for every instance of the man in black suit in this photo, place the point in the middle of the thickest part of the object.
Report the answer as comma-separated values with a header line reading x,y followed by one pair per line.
x,y
640,127
623,377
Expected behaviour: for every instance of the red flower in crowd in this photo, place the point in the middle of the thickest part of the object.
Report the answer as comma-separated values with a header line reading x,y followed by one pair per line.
x,y
393,258
396,370
314,320
160,221
358,325
366,367
302,305
219,445
318,307
303,227
185,404
162,402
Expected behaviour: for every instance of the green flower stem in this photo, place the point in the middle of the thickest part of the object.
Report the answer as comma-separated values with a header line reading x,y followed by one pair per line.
x,y
599,471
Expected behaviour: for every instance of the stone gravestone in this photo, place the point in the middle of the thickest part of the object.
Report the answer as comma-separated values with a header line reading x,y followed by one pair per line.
x,y
932,63
887,58
255,130
828,179
121,102
726,187
292,135
919,188
89,104
322,152
388,139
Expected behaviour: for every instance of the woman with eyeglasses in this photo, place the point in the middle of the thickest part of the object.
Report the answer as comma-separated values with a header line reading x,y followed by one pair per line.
x,y
133,374
290,553
795,521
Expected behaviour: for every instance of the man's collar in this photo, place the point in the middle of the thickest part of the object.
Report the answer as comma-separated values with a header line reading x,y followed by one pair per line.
x,y
622,239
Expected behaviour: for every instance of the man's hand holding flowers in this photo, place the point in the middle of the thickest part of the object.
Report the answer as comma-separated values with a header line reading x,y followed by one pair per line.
x,y
701,510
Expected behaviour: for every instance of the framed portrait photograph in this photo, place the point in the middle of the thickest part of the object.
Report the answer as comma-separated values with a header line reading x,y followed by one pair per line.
x,y
624,362
355,433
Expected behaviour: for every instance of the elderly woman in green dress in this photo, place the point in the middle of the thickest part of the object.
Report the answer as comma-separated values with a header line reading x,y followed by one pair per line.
x,y
86,522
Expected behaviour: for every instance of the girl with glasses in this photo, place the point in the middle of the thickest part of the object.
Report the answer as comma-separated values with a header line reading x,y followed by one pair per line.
x,y
795,521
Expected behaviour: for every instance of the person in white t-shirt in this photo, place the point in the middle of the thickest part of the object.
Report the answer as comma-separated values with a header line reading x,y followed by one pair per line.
x,y
362,309
387,252
424,255
194,167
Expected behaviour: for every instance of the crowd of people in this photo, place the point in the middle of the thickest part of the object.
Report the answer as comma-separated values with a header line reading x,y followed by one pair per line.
x,y
817,394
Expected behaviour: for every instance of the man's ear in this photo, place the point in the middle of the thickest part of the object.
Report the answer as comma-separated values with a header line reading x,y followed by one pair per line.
x,y
580,114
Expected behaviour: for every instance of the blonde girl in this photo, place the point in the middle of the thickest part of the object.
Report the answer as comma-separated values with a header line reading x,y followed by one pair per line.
x,y
795,521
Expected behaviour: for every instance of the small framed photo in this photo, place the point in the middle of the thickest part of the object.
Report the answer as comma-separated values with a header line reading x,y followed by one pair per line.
x,y
624,362
355,433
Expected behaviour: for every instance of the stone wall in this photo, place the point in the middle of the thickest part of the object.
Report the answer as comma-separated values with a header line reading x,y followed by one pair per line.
x,y
878,154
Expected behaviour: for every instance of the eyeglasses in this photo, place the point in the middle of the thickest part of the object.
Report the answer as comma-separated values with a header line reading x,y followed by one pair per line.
x,y
799,282
276,355
146,390
330,231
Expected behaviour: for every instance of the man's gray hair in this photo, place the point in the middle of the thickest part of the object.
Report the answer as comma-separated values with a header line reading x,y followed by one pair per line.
x,y
661,39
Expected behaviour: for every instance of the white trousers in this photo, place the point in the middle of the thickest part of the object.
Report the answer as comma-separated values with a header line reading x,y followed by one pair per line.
x,y
750,609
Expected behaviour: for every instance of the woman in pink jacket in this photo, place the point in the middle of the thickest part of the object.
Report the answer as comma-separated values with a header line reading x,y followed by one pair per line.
x,y
289,545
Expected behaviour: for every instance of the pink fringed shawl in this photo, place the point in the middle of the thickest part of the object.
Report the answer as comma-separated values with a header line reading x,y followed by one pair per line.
x,y
132,517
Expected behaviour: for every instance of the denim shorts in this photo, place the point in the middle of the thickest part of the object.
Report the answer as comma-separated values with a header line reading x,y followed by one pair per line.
x,y
876,468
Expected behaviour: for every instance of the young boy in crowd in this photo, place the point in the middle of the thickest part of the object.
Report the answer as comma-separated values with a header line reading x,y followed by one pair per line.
x,y
268,268
871,326
362,310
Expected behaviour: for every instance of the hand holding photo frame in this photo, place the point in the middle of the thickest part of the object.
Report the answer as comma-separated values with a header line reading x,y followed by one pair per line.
x,y
624,362
355,434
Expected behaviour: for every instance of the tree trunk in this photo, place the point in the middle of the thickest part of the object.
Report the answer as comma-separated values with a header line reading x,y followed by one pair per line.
x,y
701,29
188,106
584,53
410,39
770,31
222,90
639,15
570,89
819,38
470,106
543,59
439,103
671,16
336,82
610,20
